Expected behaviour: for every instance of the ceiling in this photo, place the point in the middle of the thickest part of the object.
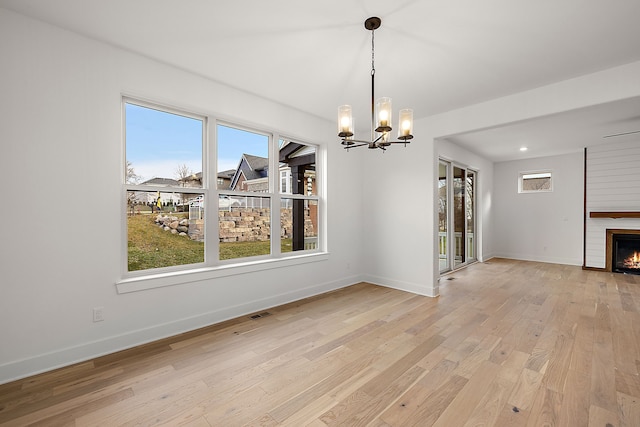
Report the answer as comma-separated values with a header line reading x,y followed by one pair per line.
x,y
557,134
431,55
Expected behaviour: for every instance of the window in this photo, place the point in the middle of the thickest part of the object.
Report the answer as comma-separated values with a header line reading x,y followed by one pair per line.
x,y
164,197
184,212
534,182
244,224
299,209
285,180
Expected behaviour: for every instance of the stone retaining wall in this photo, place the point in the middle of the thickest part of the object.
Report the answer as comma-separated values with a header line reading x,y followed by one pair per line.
x,y
237,225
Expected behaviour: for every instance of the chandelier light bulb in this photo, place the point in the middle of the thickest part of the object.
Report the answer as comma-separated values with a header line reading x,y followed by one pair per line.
x,y
405,129
383,108
384,118
345,121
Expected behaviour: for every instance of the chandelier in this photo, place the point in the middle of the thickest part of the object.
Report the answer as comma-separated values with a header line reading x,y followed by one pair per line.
x,y
380,113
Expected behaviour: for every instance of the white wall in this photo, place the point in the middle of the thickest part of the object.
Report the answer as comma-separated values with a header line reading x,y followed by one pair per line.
x,y
545,226
398,200
613,184
400,243
61,134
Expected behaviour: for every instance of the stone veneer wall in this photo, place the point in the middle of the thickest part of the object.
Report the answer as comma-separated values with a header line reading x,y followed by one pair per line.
x,y
238,225
244,225
252,224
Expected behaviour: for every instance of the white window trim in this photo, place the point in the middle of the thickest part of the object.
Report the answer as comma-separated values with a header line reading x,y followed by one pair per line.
x,y
133,281
182,277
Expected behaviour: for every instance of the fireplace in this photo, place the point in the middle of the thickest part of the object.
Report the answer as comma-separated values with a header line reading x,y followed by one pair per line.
x,y
623,251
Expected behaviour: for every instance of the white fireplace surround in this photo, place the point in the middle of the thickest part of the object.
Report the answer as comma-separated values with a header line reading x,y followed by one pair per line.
x,y
612,185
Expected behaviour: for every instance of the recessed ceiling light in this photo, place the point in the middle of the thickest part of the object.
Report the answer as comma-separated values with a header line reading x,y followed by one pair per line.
x,y
523,148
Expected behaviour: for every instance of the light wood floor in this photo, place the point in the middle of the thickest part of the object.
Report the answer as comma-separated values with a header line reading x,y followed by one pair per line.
x,y
508,343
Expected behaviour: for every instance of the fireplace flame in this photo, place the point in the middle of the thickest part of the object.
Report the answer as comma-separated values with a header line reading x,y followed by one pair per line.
x,y
633,261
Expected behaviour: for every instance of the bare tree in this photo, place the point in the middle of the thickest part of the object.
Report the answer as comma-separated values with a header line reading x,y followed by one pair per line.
x,y
183,171
132,177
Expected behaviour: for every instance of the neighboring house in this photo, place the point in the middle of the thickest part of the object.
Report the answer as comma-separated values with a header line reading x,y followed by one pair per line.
x,y
297,169
297,160
224,179
195,180
161,182
251,174
300,159
298,176
191,181
151,197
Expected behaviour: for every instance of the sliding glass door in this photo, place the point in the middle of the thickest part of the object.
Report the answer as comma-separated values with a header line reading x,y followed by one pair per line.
x,y
470,217
443,216
456,216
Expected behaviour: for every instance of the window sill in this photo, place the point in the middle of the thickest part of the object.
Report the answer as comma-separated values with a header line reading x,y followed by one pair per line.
x,y
534,191
142,283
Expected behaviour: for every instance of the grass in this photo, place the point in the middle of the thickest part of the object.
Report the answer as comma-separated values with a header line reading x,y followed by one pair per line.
x,y
149,246
244,249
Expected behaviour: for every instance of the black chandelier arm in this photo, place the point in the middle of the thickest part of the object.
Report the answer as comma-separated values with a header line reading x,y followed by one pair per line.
x,y
361,144
370,145
354,141
346,141
351,142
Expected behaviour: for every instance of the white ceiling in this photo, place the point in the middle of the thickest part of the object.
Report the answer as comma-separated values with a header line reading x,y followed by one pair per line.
x,y
432,56
557,134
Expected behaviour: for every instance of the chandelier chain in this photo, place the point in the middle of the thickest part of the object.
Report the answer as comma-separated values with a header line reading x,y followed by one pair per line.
x,y
373,51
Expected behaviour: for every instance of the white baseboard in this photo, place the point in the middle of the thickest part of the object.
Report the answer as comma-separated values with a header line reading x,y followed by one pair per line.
x,y
549,260
19,369
415,288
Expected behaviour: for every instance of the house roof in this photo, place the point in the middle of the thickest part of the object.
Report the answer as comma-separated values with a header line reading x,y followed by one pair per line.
x,y
192,177
161,182
228,174
256,163
252,167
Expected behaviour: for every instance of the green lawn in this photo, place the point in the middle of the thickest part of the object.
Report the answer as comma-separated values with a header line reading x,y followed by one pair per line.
x,y
150,246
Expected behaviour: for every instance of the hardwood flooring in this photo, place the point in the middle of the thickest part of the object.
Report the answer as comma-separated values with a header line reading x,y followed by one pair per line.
x,y
508,343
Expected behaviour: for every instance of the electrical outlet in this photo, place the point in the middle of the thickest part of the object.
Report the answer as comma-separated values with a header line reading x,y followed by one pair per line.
x,y
98,315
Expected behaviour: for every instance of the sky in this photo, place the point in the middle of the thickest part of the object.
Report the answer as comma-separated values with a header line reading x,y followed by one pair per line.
x,y
157,143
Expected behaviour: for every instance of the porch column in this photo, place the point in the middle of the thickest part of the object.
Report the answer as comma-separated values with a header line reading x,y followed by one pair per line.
x,y
298,187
